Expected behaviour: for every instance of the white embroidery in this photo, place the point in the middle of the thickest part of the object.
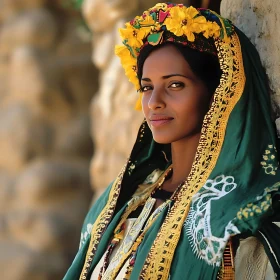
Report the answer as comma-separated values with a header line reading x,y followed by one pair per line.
x,y
85,234
198,226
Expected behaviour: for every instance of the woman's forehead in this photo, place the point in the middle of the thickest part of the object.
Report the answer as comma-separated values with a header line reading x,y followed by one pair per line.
x,y
165,60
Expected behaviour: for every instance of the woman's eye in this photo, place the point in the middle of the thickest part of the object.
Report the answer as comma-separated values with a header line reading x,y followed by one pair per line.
x,y
176,85
145,88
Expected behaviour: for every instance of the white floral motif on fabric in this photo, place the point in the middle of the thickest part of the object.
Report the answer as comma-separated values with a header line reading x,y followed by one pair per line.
x,y
198,227
84,235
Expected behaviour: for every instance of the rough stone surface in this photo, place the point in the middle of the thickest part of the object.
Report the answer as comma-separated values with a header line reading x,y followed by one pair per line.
x,y
259,19
47,81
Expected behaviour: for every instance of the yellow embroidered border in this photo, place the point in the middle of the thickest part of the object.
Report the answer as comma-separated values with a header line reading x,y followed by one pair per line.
x,y
101,223
158,262
103,219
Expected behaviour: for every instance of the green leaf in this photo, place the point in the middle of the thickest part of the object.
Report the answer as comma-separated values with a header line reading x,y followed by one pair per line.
x,y
155,38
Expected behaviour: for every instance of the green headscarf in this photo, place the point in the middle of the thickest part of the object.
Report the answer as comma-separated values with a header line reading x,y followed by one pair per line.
x,y
232,189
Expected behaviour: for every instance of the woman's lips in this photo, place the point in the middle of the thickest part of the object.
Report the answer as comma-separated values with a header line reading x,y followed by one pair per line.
x,y
160,120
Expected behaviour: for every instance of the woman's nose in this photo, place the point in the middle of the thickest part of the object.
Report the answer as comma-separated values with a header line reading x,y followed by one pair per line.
x,y
156,100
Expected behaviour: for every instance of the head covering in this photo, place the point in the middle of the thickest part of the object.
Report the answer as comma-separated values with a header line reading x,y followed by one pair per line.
x,y
233,186
167,22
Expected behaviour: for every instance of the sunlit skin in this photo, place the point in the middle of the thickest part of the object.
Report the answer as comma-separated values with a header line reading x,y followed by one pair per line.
x,y
174,104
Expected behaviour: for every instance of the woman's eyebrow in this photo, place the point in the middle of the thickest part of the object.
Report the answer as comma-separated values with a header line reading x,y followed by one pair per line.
x,y
165,77
173,75
145,79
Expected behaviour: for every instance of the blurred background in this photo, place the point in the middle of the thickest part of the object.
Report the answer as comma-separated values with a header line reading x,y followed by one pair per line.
x,y
67,122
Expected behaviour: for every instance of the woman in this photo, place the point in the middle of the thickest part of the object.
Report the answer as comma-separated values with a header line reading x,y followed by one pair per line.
x,y
199,195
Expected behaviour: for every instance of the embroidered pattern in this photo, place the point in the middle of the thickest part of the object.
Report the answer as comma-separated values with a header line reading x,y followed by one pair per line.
x,y
84,235
270,163
198,225
101,223
159,259
140,196
153,177
141,131
130,168
125,249
259,206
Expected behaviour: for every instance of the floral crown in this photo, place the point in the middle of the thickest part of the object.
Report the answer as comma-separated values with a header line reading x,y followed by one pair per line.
x,y
169,22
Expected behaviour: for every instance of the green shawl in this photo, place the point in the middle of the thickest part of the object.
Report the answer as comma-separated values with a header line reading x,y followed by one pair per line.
x,y
232,189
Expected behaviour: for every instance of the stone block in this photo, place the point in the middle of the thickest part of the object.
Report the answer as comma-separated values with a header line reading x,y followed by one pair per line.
x,y
35,27
257,19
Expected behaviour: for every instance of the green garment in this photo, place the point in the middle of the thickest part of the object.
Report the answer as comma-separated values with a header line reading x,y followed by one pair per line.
x,y
233,187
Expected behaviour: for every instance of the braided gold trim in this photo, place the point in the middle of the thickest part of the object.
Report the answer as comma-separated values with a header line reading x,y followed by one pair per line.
x,y
159,259
101,223
227,270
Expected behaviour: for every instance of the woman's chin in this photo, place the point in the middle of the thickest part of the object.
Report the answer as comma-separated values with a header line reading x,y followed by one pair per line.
x,y
162,140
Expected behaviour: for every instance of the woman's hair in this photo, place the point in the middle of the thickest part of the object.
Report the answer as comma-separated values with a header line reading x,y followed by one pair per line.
x,y
204,65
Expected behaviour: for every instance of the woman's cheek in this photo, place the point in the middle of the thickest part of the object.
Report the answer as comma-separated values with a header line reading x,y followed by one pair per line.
x,y
145,101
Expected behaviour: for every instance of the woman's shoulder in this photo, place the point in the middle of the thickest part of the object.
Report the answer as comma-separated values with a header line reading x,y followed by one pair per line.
x,y
93,214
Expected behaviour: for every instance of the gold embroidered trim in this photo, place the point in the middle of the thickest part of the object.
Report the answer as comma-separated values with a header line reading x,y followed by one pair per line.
x,y
140,196
101,223
126,247
158,261
227,271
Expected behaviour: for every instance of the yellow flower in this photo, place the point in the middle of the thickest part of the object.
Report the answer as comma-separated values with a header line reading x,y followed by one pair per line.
x,y
124,54
138,105
133,35
197,25
184,21
129,64
148,23
212,30
159,6
130,71
146,20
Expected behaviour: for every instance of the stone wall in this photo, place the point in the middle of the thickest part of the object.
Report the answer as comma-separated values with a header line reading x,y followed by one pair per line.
x,y
259,20
46,83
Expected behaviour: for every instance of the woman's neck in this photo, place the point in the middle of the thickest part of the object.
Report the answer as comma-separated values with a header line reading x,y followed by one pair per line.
x,y
183,153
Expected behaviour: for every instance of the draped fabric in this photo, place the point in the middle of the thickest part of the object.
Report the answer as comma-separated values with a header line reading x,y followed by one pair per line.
x,y
232,189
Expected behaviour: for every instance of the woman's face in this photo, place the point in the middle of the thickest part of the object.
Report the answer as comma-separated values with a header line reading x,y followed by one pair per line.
x,y
175,100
